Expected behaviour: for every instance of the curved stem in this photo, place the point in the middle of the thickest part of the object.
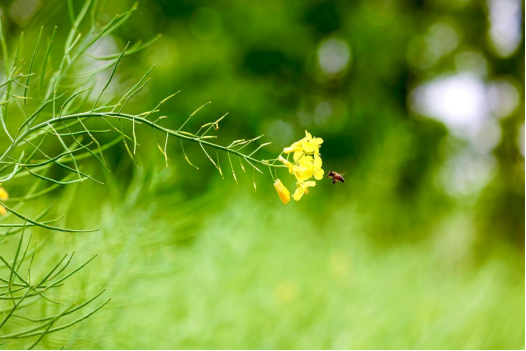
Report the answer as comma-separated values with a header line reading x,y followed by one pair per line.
x,y
132,118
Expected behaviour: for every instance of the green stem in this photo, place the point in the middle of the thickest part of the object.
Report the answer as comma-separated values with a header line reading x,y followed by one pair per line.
x,y
132,118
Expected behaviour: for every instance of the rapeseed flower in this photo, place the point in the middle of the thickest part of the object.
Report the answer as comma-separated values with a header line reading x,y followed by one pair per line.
x,y
307,163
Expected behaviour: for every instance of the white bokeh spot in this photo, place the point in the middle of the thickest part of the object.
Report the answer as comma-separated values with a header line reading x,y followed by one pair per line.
x,y
505,25
333,56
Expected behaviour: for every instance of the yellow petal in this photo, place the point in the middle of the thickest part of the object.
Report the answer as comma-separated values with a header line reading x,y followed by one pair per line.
x,y
317,161
306,161
3,211
309,184
290,149
302,188
303,172
309,148
283,192
317,141
3,194
303,175
298,155
298,194
293,148
313,141
319,173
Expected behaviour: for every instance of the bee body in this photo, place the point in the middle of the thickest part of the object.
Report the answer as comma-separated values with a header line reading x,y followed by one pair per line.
x,y
336,177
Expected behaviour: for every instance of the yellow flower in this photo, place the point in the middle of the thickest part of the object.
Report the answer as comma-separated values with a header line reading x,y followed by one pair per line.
x,y
3,196
312,166
307,145
307,164
284,193
302,188
298,171
316,142
311,144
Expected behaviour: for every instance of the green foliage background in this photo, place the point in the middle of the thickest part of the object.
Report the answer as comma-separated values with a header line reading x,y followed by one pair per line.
x,y
390,259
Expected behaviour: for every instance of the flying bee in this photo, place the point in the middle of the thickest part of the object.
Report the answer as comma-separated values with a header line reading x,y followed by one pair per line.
x,y
336,177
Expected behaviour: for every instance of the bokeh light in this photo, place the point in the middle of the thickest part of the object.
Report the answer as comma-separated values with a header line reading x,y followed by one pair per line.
x,y
334,56
505,31
457,100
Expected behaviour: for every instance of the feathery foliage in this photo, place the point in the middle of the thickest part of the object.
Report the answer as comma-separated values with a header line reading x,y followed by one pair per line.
x,y
47,105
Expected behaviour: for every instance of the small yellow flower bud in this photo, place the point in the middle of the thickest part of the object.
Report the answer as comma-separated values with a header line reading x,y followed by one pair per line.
x,y
3,196
283,192
288,150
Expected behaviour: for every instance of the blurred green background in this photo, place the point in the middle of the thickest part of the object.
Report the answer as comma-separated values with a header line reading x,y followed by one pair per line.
x,y
420,104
